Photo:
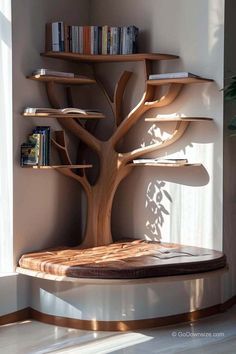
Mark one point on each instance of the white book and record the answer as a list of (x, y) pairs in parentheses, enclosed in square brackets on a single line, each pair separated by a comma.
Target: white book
[(161, 161), (48, 72), (55, 37), (92, 40), (178, 75)]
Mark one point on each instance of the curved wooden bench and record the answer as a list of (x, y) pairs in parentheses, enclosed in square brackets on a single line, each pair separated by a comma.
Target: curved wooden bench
[(124, 260)]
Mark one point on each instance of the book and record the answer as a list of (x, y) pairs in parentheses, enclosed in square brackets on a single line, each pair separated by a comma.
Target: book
[(42, 110), (48, 72), (179, 75), (28, 155), (55, 37), (161, 161), (44, 132)]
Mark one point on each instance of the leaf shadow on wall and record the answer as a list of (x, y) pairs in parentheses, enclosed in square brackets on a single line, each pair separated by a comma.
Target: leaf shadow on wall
[(157, 197)]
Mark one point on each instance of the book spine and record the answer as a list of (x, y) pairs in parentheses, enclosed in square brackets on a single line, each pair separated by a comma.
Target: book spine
[(91, 39), (95, 48), (55, 37), (99, 40), (108, 40), (61, 36), (77, 39), (121, 40), (66, 37), (48, 37), (104, 39), (81, 30), (86, 40)]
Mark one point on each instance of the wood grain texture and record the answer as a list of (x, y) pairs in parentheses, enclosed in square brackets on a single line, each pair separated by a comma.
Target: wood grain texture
[(21, 315), (125, 260), (178, 119), (63, 80), (57, 167), (184, 81), (109, 58), (166, 164), (64, 116)]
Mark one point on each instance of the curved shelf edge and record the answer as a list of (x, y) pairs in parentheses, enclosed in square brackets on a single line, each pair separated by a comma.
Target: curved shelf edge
[(63, 80), (57, 167), (182, 81), (179, 119), (109, 57), (166, 164), (64, 116)]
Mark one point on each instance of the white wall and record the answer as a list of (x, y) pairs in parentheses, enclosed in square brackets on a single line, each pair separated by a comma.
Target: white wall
[(46, 204), (194, 30)]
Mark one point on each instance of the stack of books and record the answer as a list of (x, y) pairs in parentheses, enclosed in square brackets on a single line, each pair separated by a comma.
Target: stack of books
[(91, 39), (178, 75), (36, 151)]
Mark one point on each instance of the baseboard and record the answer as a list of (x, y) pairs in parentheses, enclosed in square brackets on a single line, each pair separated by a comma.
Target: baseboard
[(29, 313), (21, 315)]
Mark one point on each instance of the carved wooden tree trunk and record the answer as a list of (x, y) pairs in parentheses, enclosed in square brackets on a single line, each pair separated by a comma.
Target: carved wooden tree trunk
[(114, 166)]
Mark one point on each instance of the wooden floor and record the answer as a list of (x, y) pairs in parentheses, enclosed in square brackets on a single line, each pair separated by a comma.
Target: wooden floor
[(124, 260)]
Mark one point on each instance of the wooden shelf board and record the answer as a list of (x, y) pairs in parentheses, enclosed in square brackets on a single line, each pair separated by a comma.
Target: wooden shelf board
[(63, 80), (183, 81), (186, 119), (64, 116), (109, 58), (57, 166), (166, 165)]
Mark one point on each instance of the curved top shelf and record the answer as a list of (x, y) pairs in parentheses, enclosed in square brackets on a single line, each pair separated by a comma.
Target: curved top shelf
[(101, 58), (182, 81), (80, 80)]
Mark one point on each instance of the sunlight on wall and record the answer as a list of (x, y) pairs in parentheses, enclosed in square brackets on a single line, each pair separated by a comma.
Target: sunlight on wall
[(6, 228)]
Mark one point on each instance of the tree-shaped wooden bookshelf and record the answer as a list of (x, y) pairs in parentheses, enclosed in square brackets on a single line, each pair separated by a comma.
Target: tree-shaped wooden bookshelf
[(115, 165)]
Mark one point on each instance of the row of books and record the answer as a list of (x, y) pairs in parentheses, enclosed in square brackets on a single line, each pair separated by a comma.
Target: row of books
[(91, 39), (36, 151)]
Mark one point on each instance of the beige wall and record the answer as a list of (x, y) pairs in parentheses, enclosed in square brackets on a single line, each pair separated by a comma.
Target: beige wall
[(46, 204), (194, 30)]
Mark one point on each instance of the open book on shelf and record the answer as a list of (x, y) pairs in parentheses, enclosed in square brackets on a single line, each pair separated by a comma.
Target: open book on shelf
[(34, 111), (161, 161)]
